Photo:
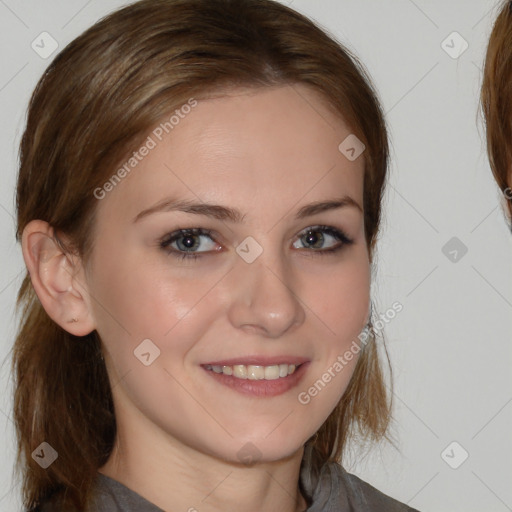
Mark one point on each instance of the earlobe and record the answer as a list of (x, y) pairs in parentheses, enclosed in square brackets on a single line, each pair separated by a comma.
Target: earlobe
[(58, 279)]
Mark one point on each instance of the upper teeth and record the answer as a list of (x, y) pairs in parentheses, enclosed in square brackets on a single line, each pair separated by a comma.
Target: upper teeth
[(253, 372)]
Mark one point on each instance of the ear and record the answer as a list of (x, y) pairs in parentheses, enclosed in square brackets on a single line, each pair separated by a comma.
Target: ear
[(58, 279), (507, 202)]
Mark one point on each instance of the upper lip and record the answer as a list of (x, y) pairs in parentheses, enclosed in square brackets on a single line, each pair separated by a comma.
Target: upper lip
[(259, 361)]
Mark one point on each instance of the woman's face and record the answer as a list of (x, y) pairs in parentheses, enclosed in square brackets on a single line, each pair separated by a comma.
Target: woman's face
[(262, 290)]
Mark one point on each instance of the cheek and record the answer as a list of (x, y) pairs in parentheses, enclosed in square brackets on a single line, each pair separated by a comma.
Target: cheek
[(343, 300), (148, 323), (343, 305), (138, 298)]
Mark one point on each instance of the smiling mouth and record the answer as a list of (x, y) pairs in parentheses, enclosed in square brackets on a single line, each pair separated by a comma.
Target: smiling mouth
[(255, 372)]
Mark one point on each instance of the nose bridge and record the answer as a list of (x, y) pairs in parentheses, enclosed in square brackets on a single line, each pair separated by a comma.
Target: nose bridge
[(263, 292)]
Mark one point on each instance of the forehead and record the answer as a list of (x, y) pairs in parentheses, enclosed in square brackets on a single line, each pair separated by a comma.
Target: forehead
[(268, 147)]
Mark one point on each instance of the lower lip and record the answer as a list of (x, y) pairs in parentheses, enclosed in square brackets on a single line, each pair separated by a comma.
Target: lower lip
[(261, 388)]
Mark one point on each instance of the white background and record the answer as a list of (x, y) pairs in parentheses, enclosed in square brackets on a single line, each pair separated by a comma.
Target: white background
[(451, 345)]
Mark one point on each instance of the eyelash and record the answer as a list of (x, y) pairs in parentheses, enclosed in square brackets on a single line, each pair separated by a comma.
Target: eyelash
[(182, 233)]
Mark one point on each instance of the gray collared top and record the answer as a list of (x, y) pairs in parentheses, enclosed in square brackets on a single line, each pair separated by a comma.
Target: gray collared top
[(330, 490)]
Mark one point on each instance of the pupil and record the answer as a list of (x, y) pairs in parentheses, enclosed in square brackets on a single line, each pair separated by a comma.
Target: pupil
[(188, 242), (312, 238)]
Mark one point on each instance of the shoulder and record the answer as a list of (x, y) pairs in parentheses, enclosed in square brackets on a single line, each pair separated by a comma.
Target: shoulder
[(349, 491), (107, 495), (367, 497)]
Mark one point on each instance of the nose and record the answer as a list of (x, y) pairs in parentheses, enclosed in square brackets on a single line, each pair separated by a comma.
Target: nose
[(263, 298)]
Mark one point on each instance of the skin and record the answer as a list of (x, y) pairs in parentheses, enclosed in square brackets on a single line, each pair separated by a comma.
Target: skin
[(266, 152)]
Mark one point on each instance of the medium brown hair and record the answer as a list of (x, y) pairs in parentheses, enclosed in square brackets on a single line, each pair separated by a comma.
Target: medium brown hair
[(94, 104), (496, 100)]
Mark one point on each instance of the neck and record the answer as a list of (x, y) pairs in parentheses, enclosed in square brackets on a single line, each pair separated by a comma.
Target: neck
[(174, 476)]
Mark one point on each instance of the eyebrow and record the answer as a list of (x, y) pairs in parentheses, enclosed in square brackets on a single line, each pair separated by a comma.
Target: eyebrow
[(220, 212)]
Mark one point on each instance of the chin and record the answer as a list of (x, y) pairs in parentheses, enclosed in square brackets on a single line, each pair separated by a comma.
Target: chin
[(249, 452)]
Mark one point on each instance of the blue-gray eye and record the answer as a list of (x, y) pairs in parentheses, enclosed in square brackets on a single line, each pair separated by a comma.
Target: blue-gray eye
[(188, 240)]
